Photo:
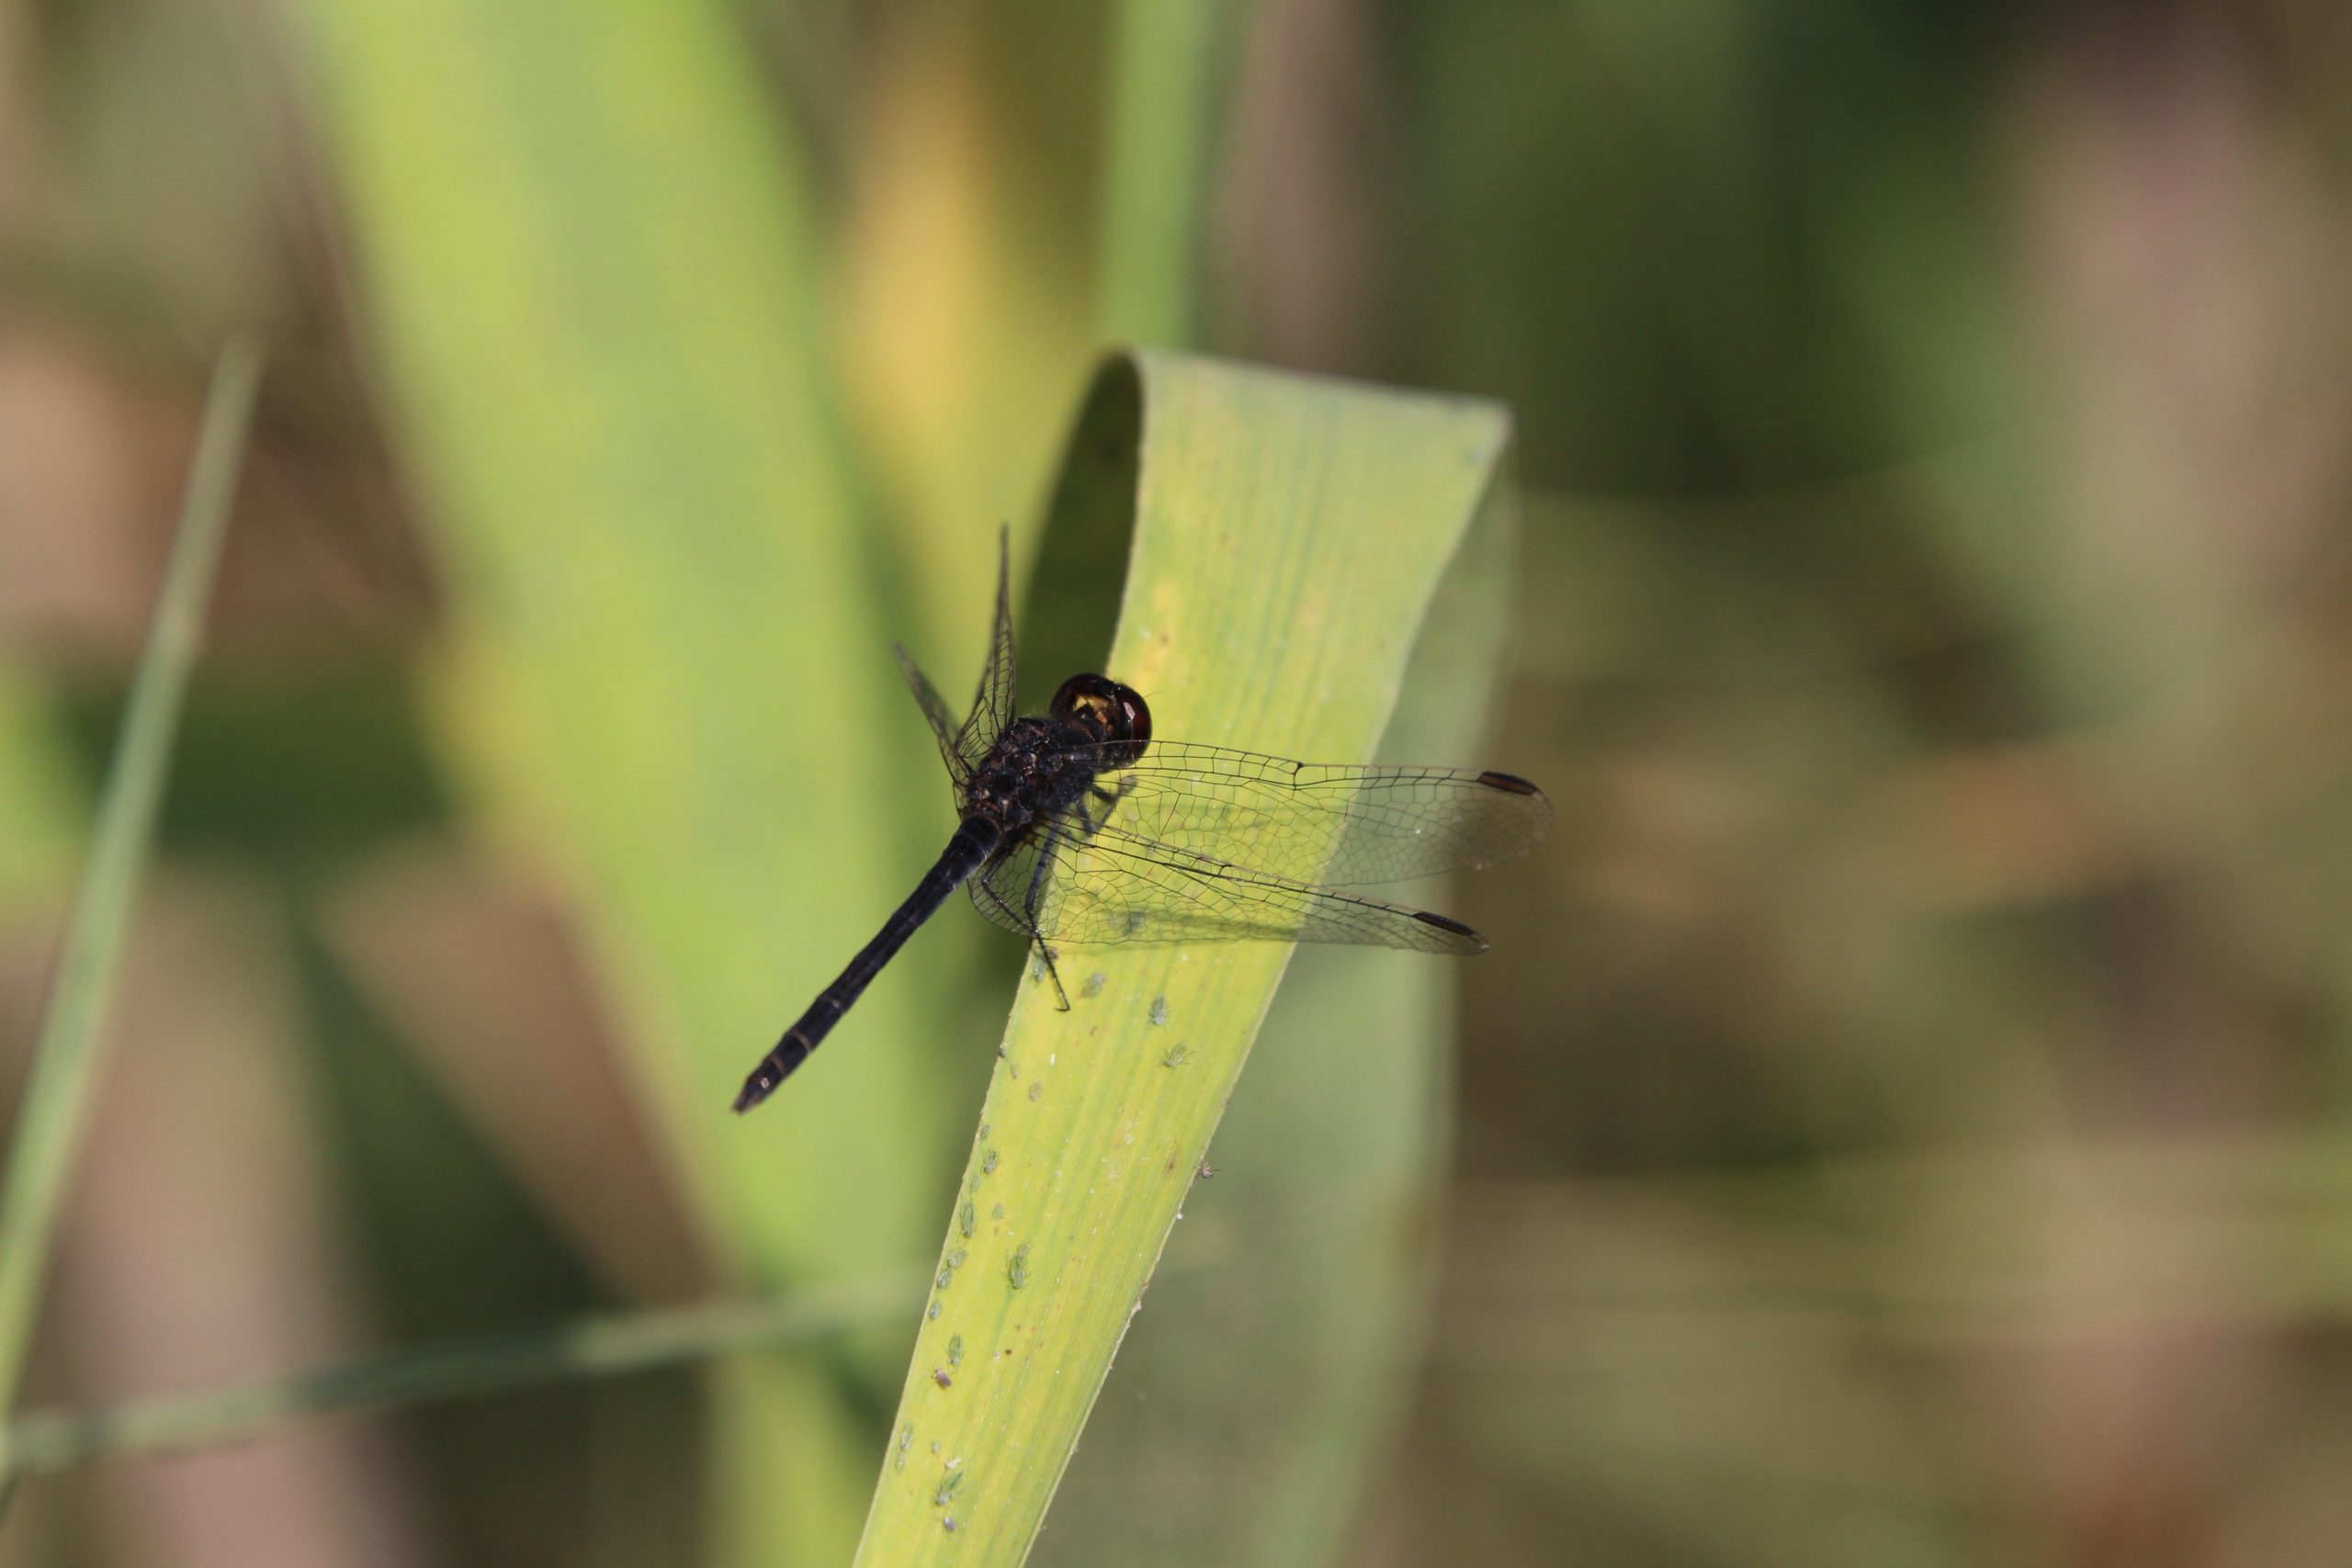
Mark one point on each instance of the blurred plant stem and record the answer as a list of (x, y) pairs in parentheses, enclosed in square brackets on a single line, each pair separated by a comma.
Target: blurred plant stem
[(599, 1347), (597, 296), (1168, 99), (57, 1089)]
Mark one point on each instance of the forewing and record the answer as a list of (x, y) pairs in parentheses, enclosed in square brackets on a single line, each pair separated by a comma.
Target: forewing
[(992, 706), (1325, 824), (935, 709), (1117, 888)]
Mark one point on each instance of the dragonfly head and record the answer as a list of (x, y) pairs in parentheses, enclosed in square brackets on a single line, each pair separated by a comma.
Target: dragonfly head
[(1114, 716)]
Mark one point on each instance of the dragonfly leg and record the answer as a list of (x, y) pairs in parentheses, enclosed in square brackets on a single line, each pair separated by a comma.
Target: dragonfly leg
[(981, 890), (1110, 799), (1029, 918), (1045, 957), (1036, 938)]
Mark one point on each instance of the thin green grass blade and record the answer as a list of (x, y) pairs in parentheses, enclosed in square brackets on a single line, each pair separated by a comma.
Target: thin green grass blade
[(1288, 538), (49, 1124), (38, 820), (608, 1346)]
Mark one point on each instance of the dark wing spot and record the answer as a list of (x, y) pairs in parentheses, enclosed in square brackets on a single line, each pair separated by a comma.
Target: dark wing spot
[(1455, 927), (1510, 783)]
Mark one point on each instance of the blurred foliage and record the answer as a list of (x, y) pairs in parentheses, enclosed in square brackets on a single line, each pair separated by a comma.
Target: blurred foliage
[(34, 801), (1902, 1118)]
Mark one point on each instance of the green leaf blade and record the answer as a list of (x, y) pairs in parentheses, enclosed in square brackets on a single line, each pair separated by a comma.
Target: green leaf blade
[(1289, 536)]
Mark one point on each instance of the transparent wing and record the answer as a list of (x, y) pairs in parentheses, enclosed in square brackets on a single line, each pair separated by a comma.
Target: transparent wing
[(1112, 888), (1002, 890), (1322, 823), (992, 706), (934, 708)]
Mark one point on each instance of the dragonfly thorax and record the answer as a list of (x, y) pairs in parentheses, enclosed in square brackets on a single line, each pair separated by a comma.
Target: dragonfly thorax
[(1041, 765), (1037, 767)]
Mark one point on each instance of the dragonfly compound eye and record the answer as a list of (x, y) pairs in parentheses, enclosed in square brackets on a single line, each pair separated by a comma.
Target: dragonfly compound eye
[(1116, 715)]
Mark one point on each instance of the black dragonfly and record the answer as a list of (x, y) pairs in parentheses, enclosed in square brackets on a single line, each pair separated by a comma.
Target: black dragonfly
[(1078, 830)]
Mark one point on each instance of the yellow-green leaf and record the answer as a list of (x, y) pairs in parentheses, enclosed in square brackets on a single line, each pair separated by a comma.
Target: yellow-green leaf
[(1263, 1390), (1288, 538)]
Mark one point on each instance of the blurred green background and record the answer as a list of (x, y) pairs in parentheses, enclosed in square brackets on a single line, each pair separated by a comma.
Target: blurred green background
[(1902, 1119)]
